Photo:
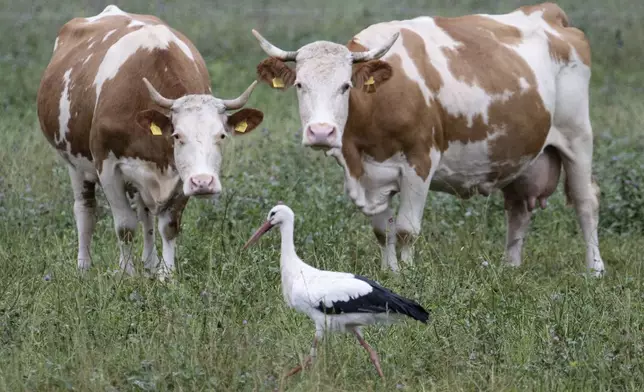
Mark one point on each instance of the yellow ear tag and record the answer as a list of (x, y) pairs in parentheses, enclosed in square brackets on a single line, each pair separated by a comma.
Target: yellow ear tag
[(156, 131), (278, 83), (241, 127), (370, 81)]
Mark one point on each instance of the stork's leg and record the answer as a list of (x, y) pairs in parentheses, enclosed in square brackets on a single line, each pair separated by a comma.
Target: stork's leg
[(372, 353), (309, 358)]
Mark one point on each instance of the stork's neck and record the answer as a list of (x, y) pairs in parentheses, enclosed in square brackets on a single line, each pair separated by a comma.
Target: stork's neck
[(288, 259)]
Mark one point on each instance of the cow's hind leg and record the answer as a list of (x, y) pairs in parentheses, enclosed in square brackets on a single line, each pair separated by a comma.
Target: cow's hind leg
[(84, 214), (384, 229), (518, 220), (583, 193), (573, 134)]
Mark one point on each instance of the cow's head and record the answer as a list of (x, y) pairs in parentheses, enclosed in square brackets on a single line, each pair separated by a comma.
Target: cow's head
[(199, 125), (323, 75)]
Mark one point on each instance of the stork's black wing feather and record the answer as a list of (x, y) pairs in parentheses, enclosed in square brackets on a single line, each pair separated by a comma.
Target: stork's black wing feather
[(379, 300)]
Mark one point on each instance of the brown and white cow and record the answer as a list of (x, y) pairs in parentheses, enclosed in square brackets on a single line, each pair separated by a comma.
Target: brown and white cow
[(126, 101), (464, 105)]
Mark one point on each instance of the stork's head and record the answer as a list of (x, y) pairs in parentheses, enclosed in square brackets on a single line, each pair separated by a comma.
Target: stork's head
[(277, 216)]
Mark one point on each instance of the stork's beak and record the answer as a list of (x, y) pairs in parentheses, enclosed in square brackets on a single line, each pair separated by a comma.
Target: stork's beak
[(263, 229)]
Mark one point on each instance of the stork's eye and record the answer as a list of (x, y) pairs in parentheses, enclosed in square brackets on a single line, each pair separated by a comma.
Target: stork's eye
[(272, 214), (223, 136), (298, 85)]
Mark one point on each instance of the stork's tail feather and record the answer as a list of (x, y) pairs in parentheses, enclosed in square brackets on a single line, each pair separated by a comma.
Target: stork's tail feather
[(409, 308), (396, 303)]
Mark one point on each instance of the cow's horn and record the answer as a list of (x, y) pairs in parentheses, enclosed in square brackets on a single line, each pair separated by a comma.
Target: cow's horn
[(273, 50), (375, 53), (239, 102), (156, 97)]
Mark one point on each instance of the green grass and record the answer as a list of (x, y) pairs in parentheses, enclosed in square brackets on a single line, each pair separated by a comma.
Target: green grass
[(223, 326)]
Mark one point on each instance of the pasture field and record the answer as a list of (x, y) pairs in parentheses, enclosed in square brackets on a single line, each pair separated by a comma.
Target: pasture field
[(223, 326)]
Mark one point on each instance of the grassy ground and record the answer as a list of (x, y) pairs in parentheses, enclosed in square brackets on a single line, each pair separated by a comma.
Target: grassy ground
[(222, 326)]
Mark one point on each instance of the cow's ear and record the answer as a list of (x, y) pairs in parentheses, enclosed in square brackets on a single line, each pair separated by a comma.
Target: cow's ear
[(370, 75), (244, 121), (154, 122), (276, 73)]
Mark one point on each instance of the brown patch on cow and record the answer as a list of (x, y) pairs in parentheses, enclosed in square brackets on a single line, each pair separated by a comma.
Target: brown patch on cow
[(379, 70), (89, 194), (271, 68), (559, 50), (570, 36), (175, 209), (483, 60), (393, 119), (253, 118), (404, 237), (520, 113), (415, 47), (125, 234), (380, 236)]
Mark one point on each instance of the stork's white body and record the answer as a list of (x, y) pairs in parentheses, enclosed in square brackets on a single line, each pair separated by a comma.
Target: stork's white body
[(335, 301)]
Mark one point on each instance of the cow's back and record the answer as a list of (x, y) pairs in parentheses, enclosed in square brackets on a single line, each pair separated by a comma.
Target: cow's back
[(96, 70)]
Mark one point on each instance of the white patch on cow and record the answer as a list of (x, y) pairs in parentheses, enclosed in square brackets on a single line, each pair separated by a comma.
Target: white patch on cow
[(155, 185), (135, 23), (534, 50), (460, 174), (81, 164), (148, 37), (108, 35), (165, 69), (169, 249), (380, 179), (524, 84), (64, 106), (87, 59), (458, 98), (56, 42), (110, 10)]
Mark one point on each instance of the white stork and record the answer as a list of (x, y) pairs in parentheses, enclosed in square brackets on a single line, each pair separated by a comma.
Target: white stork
[(335, 301)]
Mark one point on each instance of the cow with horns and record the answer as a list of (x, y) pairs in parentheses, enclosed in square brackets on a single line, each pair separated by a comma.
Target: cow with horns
[(464, 105), (126, 101)]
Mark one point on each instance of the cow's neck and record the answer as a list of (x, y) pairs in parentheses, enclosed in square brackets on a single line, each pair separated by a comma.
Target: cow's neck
[(359, 123)]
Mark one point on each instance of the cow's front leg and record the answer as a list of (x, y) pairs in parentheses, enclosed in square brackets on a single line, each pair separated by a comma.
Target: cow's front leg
[(125, 219), (413, 196), (149, 256), (384, 229), (169, 227)]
